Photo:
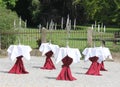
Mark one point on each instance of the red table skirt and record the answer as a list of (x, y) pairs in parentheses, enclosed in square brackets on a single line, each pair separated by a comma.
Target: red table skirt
[(48, 63), (65, 73), (94, 68), (102, 68), (18, 67)]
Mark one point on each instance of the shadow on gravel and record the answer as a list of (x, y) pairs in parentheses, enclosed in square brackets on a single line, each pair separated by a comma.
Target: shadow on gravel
[(36, 66), (4, 71), (50, 77)]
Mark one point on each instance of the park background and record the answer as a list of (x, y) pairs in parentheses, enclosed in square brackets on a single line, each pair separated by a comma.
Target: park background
[(21, 21)]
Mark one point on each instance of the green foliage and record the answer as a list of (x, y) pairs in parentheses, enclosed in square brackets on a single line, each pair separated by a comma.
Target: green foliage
[(85, 11), (105, 11), (35, 10), (7, 18), (8, 3)]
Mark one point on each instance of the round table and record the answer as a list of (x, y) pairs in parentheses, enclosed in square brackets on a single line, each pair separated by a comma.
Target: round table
[(19, 52), (67, 56), (96, 55), (48, 50)]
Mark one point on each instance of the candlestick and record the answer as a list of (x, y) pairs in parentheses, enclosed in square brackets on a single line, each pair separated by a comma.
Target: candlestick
[(95, 34), (68, 27)]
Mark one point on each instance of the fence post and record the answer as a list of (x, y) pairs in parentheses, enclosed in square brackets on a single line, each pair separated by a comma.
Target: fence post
[(89, 37), (43, 35)]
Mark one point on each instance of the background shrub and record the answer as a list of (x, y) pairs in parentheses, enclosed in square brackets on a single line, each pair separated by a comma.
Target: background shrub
[(7, 18)]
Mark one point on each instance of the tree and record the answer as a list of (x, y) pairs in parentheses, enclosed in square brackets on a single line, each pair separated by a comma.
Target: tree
[(85, 11), (35, 9), (102, 10), (56, 9), (23, 11), (116, 13), (10, 4)]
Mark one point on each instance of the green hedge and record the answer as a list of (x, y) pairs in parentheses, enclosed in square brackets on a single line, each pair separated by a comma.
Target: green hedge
[(7, 18)]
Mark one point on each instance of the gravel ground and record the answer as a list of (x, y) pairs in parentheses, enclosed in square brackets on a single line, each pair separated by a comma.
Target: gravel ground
[(47, 78)]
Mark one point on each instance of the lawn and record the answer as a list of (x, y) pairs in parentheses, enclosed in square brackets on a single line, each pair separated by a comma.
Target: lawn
[(76, 38)]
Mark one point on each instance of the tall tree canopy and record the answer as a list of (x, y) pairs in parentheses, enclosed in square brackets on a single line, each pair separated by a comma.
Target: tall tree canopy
[(102, 10), (10, 4), (85, 11)]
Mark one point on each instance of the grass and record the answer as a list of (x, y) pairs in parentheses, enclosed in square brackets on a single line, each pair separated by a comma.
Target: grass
[(76, 38)]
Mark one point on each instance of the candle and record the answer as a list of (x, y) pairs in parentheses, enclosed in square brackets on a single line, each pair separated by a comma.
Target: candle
[(104, 29), (95, 24), (92, 26), (25, 23), (47, 25), (74, 24), (98, 28), (62, 23), (101, 27), (39, 26)]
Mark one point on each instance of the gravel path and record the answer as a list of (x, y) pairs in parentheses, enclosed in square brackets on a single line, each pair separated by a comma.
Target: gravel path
[(47, 78)]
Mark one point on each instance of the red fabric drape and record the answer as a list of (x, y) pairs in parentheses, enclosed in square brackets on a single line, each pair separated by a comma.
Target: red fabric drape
[(18, 67), (94, 68), (48, 63), (65, 73), (102, 68)]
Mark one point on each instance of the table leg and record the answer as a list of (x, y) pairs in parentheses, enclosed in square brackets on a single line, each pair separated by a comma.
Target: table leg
[(18, 67)]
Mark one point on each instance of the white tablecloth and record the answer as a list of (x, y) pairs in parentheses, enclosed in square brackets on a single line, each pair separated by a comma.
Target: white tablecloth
[(101, 52), (73, 53), (46, 47), (18, 50)]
